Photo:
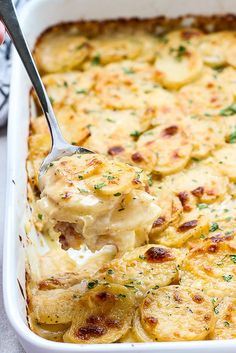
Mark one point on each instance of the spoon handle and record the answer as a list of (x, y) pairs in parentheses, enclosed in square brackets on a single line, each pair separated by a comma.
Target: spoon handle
[(9, 18)]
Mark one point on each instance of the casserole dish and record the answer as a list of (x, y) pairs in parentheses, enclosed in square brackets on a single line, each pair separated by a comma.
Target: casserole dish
[(16, 218)]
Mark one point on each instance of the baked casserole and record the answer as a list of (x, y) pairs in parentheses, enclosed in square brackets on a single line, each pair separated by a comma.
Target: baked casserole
[(156, 102)]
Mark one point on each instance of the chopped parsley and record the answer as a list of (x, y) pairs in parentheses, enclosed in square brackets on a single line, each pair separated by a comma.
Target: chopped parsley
[(227, 278), (96, 60), (81, 91), (233, 258), (228, 111), (201, 206), (109, 177), (179, 52), (135, 133), (150, 181), (214, 227), (80, 177), (128, 286), (99, 186), (120, 295), (142, 257), (232, 137), (92, 284), (226, 324), (40, 216), (117, 194), (216, 309), (110, 271)]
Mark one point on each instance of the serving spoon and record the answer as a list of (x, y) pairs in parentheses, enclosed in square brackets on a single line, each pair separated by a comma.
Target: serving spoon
[(59, 147)]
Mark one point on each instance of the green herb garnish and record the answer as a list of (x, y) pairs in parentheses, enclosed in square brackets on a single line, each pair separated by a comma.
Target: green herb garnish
[(92, 284), (99, 186), (81, 91), (233, 258), (232, 137), (135, 133), (96, 60), (214, 227), (40, 216), (228, 111), (227, 278), (201, 206), (110, 271), (117, 194)]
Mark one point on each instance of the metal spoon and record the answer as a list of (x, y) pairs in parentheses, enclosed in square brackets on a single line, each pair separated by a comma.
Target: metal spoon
[(60, 147)]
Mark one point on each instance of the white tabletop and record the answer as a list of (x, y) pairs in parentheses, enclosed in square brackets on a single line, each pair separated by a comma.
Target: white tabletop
[(8, 340)]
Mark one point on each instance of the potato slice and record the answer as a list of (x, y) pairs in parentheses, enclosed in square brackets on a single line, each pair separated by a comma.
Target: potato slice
[(190, 225), (54, 306), (61, 51), (177, 313), (49, 332), (116, 178), (211, 266), (201, 183), (103, 315), (178, 66), (145, 267), (225, 327), (225, 158), (121, 47), (209, 95), (138, 331), (171, 146), (171, 209), (185, 36), (214, 48), (206, 135), (68, 87)]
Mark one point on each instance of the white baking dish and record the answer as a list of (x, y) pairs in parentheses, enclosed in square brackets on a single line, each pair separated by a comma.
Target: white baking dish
[(36, 17)]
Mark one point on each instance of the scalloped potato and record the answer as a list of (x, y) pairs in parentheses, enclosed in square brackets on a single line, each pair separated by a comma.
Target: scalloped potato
[(138, 239)]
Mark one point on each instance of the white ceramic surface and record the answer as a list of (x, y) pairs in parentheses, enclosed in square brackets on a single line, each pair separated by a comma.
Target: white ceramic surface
[(37, 16)]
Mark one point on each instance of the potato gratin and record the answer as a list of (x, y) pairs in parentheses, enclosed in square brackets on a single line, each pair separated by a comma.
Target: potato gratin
[(138, 238)]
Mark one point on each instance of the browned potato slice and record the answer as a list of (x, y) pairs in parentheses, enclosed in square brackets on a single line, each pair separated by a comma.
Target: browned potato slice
[(171, 209), (138, 331), (177, 313), (206, 134), (54, 306), (214, 48), (190, 225), (211, 266), (225, 327), (145, 267), (209, 95), (225, 158), (103, 315), (178, 66), (170, 145), (60, 51), (121, 47)]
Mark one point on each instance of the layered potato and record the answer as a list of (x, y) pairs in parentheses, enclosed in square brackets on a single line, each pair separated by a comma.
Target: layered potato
[(139, 237)]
